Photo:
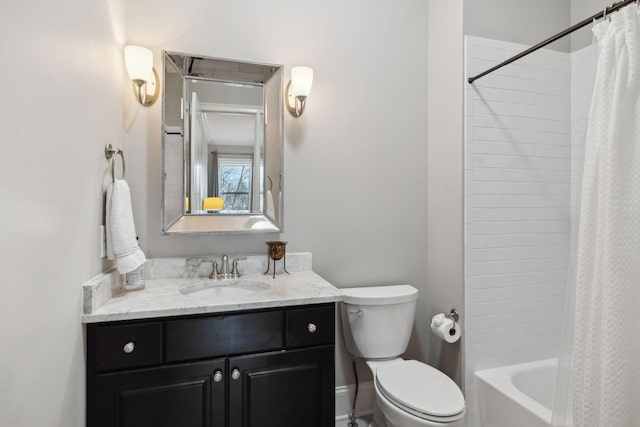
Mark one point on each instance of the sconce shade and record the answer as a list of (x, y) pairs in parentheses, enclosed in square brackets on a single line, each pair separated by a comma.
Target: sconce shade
[(301, 81), (139, 62)]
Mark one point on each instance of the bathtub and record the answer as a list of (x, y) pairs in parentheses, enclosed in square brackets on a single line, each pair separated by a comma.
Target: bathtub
[(518, 395)]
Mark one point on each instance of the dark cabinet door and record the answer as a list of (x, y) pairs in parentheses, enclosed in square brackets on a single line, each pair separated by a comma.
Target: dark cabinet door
[(283, 389), (186, 395)]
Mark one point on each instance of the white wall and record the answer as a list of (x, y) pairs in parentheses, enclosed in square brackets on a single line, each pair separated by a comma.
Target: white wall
[(583, 64), (61, 102), (355, 162), (514, 293), (530, 22), (518, 200), (518, 21), (445, 281), (580, 10)]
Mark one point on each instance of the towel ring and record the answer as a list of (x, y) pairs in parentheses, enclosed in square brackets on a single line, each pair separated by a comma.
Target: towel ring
[(111, 154), (270, 183)]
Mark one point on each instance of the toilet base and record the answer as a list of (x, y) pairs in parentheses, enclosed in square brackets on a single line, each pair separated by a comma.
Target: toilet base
[(386, 414), (396, 417)]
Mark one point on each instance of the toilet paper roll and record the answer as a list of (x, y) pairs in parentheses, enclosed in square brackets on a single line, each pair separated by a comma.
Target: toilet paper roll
[(446, 328)]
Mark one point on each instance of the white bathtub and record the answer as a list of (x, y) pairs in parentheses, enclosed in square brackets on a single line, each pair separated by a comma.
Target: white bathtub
[(517, 395)]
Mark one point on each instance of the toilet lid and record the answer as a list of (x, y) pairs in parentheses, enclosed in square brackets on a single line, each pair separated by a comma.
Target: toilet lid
[(379, 295), (420, 388)]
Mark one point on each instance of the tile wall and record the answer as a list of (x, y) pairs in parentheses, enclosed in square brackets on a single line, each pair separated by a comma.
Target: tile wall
[(582, 73), (517, 205)]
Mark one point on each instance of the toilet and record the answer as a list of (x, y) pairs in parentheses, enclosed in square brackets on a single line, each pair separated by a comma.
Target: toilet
[(377, 323)]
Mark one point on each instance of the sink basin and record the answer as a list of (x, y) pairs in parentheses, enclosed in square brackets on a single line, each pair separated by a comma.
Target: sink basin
[(226, 288)]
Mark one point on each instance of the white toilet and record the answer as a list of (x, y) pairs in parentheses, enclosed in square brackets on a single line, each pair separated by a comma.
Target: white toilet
[(377, 323)]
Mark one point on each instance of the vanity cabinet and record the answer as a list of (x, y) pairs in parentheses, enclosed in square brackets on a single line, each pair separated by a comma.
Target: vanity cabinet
[(261, 368), (282, 389)]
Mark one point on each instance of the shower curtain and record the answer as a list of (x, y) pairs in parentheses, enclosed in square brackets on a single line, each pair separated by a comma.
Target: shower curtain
[(600, 382)]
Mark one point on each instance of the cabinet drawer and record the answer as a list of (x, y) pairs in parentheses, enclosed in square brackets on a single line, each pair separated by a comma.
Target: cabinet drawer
[(217, 336), (126, 346), (310, 326)]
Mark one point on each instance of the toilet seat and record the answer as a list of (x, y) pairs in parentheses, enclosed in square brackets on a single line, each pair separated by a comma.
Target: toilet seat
[(421, 390)]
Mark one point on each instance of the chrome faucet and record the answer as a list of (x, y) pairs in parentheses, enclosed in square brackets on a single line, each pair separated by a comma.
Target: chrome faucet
[(214, 270), (223, 272), (234, 268)]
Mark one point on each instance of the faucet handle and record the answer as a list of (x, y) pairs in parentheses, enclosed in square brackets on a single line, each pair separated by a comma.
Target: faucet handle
[(214, 270), (234, 267)]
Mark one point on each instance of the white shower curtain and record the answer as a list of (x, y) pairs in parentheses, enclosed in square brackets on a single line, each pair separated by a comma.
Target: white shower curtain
[(605, 376)]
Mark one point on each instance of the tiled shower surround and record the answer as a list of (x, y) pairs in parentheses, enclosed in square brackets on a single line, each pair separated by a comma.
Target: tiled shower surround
[(524, 127)]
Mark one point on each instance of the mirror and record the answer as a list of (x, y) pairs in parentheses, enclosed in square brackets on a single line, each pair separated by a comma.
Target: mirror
[(221, 146)]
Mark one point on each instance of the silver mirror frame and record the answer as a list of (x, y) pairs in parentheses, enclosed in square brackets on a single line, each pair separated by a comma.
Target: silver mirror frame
[(252, 223)]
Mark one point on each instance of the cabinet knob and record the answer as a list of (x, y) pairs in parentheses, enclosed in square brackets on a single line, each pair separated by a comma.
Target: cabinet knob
[(311, 327), (129, 347), (217, 376), (235, 374)]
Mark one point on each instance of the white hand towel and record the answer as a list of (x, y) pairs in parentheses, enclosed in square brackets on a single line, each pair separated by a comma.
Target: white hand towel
[(270, 211), (122, 244)]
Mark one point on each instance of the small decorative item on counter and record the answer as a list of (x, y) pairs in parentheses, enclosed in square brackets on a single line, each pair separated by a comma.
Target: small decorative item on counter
[(277, 252), (134, 280)]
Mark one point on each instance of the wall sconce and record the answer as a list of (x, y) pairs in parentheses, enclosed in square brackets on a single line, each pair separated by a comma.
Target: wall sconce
[(298, 89), (139, 63)]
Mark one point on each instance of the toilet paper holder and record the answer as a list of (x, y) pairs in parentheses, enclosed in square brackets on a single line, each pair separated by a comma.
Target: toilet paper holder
[(453, 315), (449, 329)]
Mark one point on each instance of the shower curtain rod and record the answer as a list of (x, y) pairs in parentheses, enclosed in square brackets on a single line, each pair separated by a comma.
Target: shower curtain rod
[(558, 36)]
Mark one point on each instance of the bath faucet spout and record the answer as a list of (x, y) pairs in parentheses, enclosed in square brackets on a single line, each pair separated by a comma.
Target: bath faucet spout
[(224, 269)]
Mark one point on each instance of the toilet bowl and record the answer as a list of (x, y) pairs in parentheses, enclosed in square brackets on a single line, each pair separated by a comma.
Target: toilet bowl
[(413, 394), (377, 323)]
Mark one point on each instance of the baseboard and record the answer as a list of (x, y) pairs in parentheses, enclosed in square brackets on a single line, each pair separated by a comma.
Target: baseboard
[(344, 400)]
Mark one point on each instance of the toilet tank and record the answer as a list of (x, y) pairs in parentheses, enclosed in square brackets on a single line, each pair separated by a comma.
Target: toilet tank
[(377, 320)]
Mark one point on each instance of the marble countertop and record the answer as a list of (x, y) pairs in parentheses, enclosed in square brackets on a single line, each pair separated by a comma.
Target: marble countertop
[(162, 297)]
